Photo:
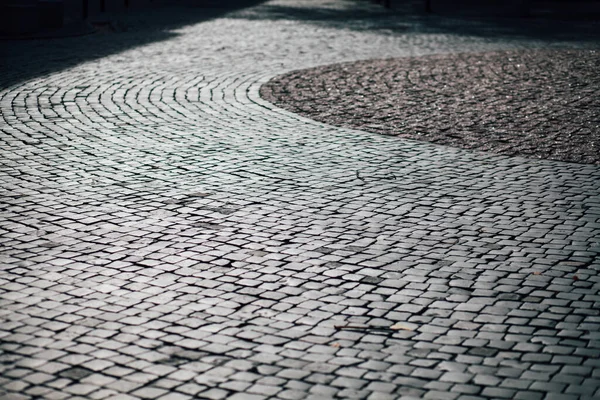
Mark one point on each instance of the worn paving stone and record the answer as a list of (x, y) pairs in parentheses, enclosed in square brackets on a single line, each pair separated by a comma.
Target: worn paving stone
[(167, 233)]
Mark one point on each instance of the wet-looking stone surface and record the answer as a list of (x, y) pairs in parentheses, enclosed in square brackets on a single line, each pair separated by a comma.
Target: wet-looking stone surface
[(539, 104)]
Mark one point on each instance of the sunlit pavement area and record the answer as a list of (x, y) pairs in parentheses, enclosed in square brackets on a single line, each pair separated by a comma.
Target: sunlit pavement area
[(167, 234)]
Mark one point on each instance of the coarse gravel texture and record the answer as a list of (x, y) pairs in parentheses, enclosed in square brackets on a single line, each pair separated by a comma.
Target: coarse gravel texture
[(539, 104)]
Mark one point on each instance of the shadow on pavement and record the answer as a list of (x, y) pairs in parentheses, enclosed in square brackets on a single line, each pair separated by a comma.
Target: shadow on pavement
[(410, 15), (22, 60)]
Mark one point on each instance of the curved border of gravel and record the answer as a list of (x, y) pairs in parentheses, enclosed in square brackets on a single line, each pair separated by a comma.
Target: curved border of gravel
[(534, 103)]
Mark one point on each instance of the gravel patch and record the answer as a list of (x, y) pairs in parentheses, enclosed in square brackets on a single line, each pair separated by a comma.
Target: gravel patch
[(534, 103)]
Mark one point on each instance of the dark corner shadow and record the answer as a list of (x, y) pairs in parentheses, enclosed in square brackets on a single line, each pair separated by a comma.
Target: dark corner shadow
[(534, 27), (25, 59), (409, 16)]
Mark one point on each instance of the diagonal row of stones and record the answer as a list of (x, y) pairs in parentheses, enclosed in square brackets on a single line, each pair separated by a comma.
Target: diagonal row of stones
[(167, 234)]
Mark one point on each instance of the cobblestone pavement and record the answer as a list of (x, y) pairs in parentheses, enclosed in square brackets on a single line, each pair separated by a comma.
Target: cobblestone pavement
[(543, 104), (167, 234)]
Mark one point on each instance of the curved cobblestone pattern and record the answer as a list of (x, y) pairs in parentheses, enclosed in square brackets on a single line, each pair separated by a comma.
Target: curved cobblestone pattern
[(541, 104), (167, 234)]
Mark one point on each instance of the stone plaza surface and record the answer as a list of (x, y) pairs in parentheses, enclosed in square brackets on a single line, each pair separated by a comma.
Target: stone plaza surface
[(167, 234)]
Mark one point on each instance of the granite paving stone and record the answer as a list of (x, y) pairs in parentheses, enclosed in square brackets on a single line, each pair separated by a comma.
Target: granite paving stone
[(171, 229)]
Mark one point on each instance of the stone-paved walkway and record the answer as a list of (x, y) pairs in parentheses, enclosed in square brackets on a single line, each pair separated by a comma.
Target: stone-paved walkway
[(167, 234)]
